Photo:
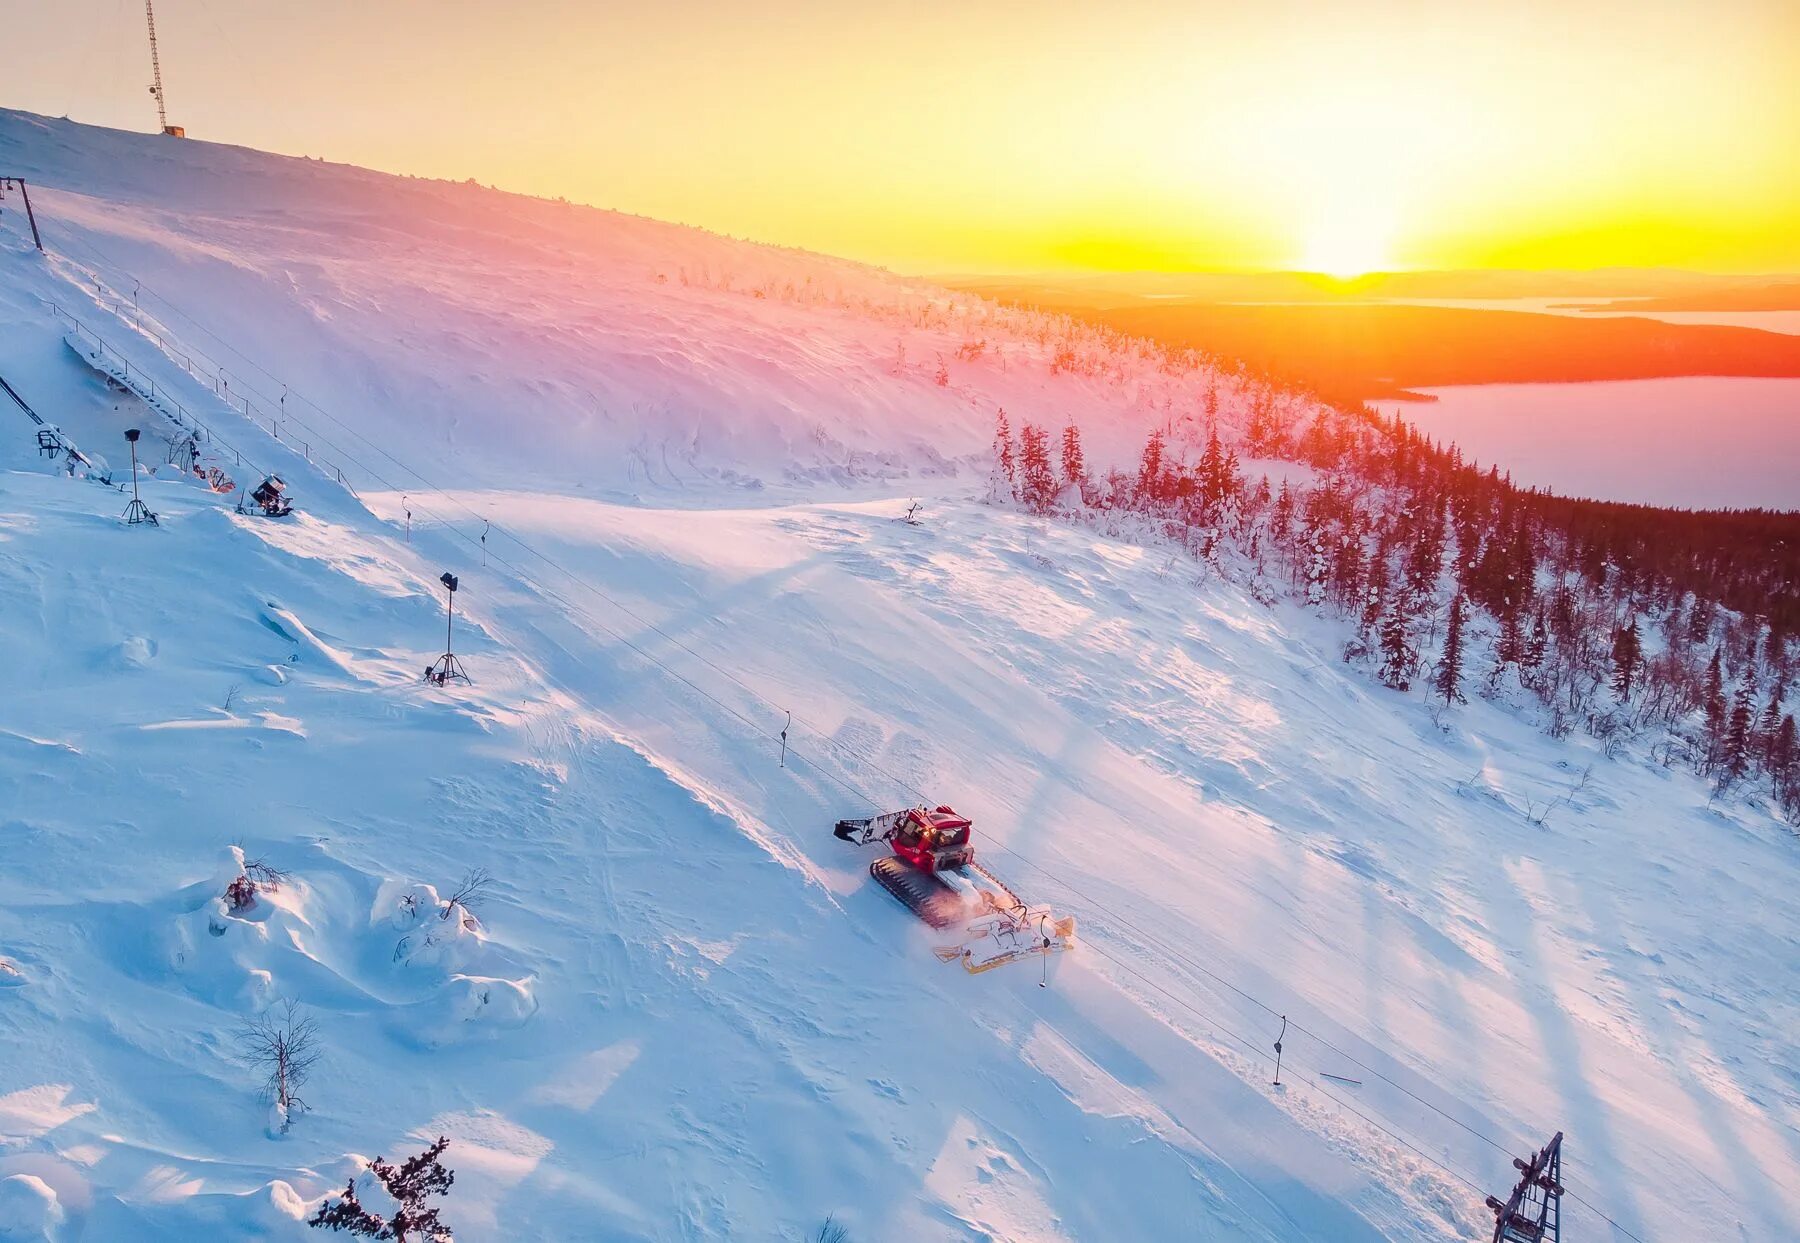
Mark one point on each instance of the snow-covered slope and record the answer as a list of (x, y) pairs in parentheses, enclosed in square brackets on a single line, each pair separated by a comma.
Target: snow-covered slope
[(503, 339), (686, 1012)]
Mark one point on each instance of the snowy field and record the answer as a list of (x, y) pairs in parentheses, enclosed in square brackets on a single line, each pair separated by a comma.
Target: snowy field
[(685, 1012)]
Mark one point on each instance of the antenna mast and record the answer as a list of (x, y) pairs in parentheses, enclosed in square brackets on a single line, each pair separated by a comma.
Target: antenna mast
[(156, 87)]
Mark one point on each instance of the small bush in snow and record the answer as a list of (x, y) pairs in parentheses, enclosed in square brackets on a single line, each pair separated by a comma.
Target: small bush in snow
[(266, 875), (284, 1045), (253, 876), (404, 1189), (831, 1232), (240, 894), (470, 894)]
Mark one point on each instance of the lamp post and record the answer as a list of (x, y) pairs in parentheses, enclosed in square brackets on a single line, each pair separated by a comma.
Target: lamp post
[(137, 511), (447, 668)]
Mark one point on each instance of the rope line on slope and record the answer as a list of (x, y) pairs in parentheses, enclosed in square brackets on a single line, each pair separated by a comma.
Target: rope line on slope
[(846, 752)]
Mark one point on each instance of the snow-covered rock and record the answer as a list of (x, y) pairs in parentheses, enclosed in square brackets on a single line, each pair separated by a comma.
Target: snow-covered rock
[(132, 652)]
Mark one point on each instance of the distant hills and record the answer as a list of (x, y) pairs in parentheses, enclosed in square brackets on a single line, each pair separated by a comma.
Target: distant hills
[(1772, 296), (1121, 288), (1331, 337)]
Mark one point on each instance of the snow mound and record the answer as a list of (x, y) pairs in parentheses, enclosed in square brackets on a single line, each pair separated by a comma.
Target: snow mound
[(133, 652), (29, 1211), (472, 1005), (273, 1212)]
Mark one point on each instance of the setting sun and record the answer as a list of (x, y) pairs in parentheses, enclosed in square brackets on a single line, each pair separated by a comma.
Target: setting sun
[(1348, 240), (1201, 135)]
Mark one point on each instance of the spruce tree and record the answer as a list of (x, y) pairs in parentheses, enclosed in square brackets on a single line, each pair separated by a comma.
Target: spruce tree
[(1768, 727), (1509, 648), (1700, 622), (1005, 461), (1784, 764), (1283, 516), (1074, 461), (1350, 574), (1628, 659), (410, 1184), (1215, 480), (1037, 485), (1374, 593), (1716, 709), (1734, 760), (1538, 645), (1397, 655), (1150, 467), (1424, 559), (1448, 681)]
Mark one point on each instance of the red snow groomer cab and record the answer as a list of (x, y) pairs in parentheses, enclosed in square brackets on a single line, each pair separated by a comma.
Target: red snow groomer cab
[(933, 841), (934, 873)]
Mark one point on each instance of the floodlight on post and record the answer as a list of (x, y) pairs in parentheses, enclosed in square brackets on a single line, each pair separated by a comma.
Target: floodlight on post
[(136, 512), (447, 668)]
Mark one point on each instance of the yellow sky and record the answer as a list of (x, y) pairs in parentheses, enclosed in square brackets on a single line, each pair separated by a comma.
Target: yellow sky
[(940, 136)]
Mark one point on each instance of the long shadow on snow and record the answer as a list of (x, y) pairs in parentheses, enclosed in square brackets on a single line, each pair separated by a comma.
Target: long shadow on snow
[(1754, 1185), (1586, 1117)]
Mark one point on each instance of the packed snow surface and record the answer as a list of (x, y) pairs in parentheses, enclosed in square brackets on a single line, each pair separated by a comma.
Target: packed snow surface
[(684, 1011)]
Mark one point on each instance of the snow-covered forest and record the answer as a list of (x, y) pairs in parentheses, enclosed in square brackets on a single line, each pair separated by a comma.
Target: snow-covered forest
[(1667, 633)]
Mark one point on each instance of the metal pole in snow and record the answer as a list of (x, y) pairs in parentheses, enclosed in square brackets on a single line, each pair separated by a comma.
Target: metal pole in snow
[(784, 733), (30, 215), (1278, 1050)]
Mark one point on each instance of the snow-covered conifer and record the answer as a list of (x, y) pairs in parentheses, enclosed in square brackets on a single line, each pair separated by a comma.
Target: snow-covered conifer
[(1448, 681)]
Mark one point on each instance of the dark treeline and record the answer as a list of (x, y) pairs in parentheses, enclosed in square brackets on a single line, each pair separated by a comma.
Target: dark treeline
[(1672, 628)]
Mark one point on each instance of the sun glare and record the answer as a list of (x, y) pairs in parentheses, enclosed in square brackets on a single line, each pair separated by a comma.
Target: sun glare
[(1349, 240)]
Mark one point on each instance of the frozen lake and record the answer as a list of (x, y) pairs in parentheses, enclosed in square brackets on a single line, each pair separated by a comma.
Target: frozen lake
[(1785, 322), (1697, 441)]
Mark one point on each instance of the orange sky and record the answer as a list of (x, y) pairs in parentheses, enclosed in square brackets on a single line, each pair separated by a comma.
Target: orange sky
[(942, 136)]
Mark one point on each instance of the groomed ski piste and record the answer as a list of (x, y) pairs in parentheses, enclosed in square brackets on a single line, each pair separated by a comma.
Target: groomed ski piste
[(685, 1011)]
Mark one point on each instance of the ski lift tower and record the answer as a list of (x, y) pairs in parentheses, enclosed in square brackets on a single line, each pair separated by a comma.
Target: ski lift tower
[(156, 86), (1533, 1213)]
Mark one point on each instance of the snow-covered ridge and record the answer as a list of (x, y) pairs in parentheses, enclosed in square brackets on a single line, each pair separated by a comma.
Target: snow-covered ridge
[(501, 337)]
